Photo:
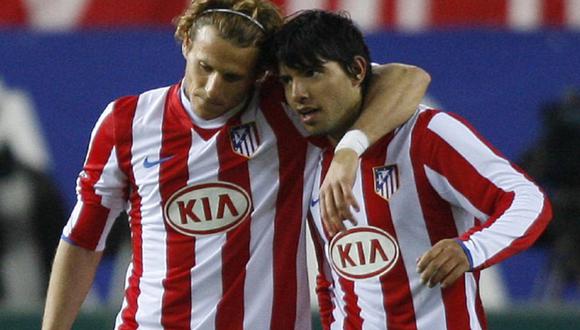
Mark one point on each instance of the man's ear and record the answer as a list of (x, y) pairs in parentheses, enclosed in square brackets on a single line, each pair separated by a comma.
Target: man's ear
[(359, 70)]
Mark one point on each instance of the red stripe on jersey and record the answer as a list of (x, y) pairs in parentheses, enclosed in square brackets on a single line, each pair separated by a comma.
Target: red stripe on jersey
[(395, 284), (554, 11), (86, 232), (468, 13), (124, 113), (173, 175), (236, 250), (323, 280), (436, 211), (83, 233), (353, 319), (292, 150)]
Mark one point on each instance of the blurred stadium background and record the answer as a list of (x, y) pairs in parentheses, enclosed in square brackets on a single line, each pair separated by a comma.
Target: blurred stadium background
[(498, 63)]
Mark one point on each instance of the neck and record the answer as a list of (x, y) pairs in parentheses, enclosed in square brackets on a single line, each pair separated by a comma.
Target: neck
[(335, 135)]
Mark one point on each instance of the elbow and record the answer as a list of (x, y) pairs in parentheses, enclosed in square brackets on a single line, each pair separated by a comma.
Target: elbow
[(421, 78), (412, 74), (424, 76)]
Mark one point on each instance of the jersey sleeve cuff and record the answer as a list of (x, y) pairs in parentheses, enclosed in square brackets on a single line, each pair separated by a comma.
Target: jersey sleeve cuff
[(74, 243), (467, 253)]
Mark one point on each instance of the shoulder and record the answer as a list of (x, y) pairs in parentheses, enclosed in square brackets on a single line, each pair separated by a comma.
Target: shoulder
[(150, 96), (125, 108), (438, 121), (429, 128)]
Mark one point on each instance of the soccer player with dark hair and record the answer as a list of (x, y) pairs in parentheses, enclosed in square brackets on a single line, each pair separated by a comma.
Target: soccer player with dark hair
[(438, 203)]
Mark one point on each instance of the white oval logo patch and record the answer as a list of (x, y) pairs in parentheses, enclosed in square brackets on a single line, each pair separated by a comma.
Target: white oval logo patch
[(363, 252), (207, 208)]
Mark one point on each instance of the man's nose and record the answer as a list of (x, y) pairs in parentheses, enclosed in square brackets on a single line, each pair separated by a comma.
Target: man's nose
[(213, 86), (299, 92)]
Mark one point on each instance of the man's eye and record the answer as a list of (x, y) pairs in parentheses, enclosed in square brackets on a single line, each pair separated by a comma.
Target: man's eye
[(311, 73), (284, 80), (204, 67), (232, 77)]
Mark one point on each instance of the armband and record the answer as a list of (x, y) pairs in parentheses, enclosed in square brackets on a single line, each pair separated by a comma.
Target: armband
[(355, 140)]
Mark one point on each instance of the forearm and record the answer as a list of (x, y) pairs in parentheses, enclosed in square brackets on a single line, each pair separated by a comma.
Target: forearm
[(510, 232), (72, 275), (393, 96)]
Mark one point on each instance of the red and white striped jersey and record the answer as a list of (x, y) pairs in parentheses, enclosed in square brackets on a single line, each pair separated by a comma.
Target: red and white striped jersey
[(433, 178), (217, 211)]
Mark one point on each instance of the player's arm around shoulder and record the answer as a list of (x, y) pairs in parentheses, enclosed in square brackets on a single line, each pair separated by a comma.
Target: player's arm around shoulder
[(71, 278), (394, 93)]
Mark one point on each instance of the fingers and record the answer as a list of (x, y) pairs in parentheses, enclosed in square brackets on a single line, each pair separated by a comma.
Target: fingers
[(443, 264), (343, 201), (349, 201), (336, 203), (452, 276), (435, 273), (428, 265), (329, 213), (336, 197)]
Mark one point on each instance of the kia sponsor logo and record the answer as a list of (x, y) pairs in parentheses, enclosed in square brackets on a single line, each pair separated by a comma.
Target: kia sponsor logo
[(207, 208), (363, 252)]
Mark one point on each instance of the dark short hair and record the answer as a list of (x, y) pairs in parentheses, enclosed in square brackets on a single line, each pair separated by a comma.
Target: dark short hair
[(312, 37)]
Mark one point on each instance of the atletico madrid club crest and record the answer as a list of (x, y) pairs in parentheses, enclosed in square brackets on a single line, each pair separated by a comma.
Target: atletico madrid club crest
[(386, 180), (245, 139)]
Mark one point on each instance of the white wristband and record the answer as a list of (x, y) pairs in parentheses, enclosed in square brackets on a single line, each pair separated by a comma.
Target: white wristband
[(355, 140)]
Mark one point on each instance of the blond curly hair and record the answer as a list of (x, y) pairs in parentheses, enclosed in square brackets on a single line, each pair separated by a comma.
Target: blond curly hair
[(234, 28)]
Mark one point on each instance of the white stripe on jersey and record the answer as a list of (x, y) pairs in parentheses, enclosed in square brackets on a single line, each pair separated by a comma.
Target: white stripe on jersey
[(470, 288), (147, 145), (206, 281), (261, 234), (111, 198)]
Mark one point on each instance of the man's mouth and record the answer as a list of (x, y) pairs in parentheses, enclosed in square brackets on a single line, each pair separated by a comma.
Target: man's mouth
[(210, 102), (308, 114)]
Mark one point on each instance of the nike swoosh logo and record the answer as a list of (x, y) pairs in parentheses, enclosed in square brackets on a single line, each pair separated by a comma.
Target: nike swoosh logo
[(313, 202), (149, 164)]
